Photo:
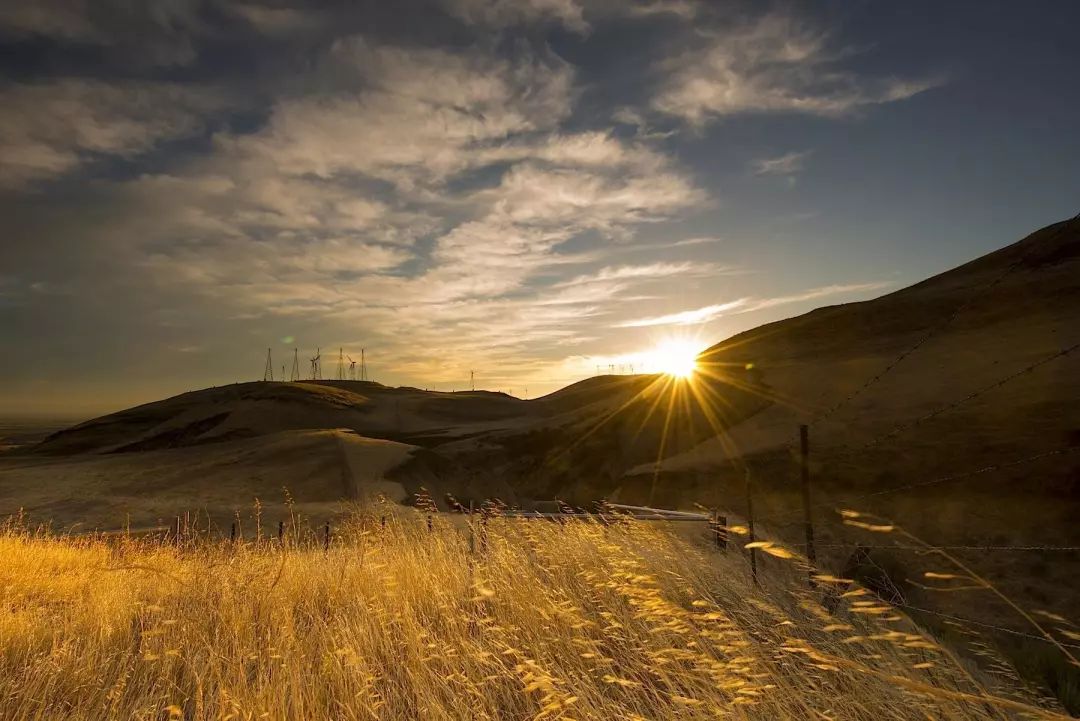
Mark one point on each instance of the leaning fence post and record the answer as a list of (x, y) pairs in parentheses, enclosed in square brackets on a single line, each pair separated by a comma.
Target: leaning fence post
[(750, 525), (811, 554), (326, 536)]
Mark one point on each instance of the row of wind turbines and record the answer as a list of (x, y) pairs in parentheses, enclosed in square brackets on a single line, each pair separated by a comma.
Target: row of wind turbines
[(351, 372)]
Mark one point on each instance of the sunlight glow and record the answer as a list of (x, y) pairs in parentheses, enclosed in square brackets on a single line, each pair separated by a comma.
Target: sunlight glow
[(676, 358)]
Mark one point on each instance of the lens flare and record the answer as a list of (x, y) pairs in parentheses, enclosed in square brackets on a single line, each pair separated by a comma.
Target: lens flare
[(676, 358)]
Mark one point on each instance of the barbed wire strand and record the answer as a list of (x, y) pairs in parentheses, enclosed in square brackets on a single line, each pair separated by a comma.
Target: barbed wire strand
[(852, 500)]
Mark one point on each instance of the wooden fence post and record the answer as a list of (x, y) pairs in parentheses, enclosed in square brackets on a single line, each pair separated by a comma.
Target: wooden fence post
[(326, 536), (720, 535), (280, 530), (232, 532), (429, 526), (178, 539), (811, 554), (750, 525), (472, 532), (382, 522)]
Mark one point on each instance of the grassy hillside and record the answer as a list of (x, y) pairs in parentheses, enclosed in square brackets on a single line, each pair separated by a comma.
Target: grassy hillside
[(542, 621)]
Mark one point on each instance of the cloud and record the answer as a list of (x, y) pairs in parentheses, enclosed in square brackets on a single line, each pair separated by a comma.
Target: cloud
[(508, 13), (409, 116), (652, 270), (50, 129), (748, 305), (775, 63), (814, 294), (685, 9), (355, 204), (156, 33), (787, 164), (696, 316)]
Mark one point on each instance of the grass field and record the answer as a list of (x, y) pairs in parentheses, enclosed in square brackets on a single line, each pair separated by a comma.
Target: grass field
[(534, 620)]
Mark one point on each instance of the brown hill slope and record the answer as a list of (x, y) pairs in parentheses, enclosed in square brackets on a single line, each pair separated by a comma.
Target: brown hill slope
[(950, 408)]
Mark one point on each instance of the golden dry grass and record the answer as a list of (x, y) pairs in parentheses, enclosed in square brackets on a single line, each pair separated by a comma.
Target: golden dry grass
[(572, 621)]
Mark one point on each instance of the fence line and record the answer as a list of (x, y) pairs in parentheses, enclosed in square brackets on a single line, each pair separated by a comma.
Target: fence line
[(931, 549), (972, 621)]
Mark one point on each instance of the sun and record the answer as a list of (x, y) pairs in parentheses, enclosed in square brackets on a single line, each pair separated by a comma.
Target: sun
[(675, 358)]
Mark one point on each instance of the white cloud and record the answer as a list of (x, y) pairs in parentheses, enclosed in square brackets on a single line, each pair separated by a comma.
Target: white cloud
[(696, 316), (814, 294), (318, 215), (748, 305), (775, 63), (652, 270), (786, 164), (420, 115)]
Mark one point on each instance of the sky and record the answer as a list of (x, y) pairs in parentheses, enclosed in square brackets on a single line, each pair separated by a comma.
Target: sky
[(526, 189)]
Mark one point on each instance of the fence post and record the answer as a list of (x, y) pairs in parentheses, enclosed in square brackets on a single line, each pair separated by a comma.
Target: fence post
[(750, 525), (326, 536), (382, 522), (720, 531), (177, 531), (472, 533), (429, 526), (280, 530), (232, 532), (811, 553), (484, 513)]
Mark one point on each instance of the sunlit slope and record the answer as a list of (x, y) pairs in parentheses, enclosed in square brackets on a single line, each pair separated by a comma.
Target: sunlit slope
[(932, 344)]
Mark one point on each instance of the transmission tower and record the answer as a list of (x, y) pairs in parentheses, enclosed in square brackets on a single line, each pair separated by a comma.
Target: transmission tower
[(472, 379), (268, 372), (295, 375), (340, 364), (363, 366)]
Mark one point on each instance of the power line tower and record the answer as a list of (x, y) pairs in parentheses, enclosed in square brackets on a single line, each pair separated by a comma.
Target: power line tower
[(295, 375), (363, 366), (268, 372), (472, 379), (340, 364)]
